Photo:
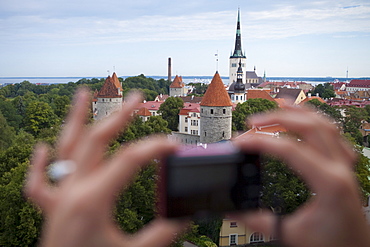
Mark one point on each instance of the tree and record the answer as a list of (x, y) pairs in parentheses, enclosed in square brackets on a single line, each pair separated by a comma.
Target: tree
[(20, 221), (352, 122), (325, 91), (330, 111), (157, 125), (61, 105), (39, 115), (281, 187), (6, 133), (245, 109), (9, 111), (170, 110)]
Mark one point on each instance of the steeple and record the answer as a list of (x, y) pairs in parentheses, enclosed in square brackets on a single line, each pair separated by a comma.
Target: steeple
[(239, 86), (238, 52)]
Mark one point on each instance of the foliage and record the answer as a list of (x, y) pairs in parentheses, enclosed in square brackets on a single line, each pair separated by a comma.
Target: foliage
[(39, 115), (352, 122), (199, 88), (192, 235), (136, 205), (210, 227), (20, 221), (325, 91), (363, 173), (251, 106), (6, 133), (330, 111), (281, 187), (170, 110)]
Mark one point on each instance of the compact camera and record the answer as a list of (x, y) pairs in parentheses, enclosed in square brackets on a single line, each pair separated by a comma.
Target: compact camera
[(209, 180)]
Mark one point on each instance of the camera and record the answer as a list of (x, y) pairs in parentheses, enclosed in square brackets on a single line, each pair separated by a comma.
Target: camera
[(208, 180)]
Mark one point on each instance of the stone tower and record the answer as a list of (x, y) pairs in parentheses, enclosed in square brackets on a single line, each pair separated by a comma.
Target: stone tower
[(237, 56), (108, 99), (177, 87), (215, 113)]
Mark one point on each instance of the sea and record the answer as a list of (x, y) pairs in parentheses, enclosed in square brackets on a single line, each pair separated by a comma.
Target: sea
[(186, 79)]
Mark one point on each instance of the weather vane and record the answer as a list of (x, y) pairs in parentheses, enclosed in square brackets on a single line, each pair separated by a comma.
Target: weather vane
[(216, 55)]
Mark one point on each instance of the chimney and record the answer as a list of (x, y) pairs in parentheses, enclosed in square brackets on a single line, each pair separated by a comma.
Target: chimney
[(169, 70)]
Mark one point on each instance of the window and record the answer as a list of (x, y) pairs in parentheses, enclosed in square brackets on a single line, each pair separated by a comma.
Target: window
[(211, 111), (224, 111), (205, 133), (186, 129), (102, 100), (256, 237), (233, 65), (186, 119), (236, 97), (233, 239), (233, 224), (194, 115)]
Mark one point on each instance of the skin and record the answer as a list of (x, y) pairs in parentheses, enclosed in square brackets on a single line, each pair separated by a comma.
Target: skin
[(334, 216), (78, 211)]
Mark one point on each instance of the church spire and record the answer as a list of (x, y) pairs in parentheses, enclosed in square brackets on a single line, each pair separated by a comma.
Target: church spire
[(238, 52)]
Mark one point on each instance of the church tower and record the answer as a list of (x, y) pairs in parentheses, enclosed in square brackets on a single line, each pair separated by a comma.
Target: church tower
[(239, 87), (215, 113), (237, 56)]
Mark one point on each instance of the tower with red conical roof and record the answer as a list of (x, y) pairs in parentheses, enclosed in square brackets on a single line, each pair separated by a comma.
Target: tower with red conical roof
[(108, 99), (215, 112)]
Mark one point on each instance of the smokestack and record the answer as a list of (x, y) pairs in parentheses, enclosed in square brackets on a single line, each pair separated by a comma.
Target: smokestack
[(169, 70)]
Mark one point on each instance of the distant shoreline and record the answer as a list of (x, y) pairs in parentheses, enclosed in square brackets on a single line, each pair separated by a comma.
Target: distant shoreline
[(187, 79)]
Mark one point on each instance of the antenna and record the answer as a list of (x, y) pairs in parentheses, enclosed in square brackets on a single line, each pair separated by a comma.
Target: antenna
[(108, 72), (216, 60), (347, 72)]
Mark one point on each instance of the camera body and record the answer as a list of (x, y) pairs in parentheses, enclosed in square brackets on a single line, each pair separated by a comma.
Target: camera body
[(201, 181)]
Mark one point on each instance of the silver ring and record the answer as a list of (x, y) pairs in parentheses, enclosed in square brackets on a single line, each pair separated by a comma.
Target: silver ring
[(60, 169)]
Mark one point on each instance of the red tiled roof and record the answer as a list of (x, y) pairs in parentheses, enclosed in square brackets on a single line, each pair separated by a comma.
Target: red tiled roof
[(258, 93), (359, 83), (270, 130), (143, 112), (109, 89), (116, 81), (216, 94), (150, 105), (311, 98), (177, 82)]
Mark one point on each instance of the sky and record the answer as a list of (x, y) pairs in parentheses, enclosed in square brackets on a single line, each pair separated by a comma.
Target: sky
[(88, 38)]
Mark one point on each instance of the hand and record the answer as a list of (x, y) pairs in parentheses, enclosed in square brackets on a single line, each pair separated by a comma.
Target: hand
[(333, 216), (78, 212)]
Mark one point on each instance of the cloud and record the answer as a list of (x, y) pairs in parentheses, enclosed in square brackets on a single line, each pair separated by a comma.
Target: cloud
[(282, 21)]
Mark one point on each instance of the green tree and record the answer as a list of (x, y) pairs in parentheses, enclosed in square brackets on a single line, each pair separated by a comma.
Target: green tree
[(249, 107), (330, 111), (20, 221), (281, 187), (39, 115), (170, 110), (6, 133), (136, 205), (61, 105), (9, 111), (352, 122), (157, 125), (325, 91)]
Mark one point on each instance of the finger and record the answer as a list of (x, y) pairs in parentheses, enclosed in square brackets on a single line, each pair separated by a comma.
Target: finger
[(304, 161), (159, 233), (264, 222), (128, 161), (36, 186), (93, 146), (314, 128), (73, 130)]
